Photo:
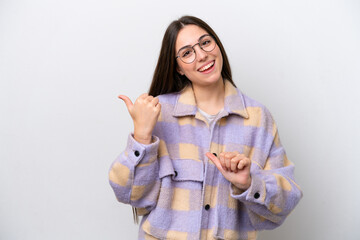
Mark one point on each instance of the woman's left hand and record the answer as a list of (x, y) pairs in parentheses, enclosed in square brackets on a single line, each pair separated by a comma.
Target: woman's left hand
[(235, 167)]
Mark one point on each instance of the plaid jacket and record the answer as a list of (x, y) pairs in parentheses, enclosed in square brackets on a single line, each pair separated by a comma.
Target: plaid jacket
[(180, 192)]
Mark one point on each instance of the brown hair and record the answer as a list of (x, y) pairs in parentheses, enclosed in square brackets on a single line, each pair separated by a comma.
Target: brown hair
[(166, 79)]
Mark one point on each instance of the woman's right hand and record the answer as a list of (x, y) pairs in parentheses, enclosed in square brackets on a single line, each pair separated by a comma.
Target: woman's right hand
[(144, 112)]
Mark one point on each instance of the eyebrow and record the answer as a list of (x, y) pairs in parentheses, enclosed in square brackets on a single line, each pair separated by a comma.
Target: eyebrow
[(195, 43)]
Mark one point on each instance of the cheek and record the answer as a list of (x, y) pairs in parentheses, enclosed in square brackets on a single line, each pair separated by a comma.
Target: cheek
[(219, 54), (187, 68), (181, 68), (220, 59)]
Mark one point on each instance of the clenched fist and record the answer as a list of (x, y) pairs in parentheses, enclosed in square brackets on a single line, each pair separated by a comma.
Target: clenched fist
[(144, 113)]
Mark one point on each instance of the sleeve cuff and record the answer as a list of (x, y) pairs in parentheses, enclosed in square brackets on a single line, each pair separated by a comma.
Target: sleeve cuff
[(256, 193), (138, 152)]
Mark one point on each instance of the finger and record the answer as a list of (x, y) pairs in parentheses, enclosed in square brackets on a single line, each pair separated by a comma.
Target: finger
[(158, 107), (243, 163), (227, 162), (230, 154), (234, 164), (227, 159), (143, 96), (155, 101), (127, 101), (241, 156), (247, 163), (222, 161), (216, 161), (149, 98)]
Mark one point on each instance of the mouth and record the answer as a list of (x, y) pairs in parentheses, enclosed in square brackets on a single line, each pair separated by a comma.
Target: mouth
[(208, 67)]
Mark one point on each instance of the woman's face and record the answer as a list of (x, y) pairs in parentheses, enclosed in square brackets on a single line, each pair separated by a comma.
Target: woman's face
[(206, 68)]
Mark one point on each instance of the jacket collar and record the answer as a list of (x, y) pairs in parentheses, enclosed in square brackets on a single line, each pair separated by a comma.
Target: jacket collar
[(234, 102)]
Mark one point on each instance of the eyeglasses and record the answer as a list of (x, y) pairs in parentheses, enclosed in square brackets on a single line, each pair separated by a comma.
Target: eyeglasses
[(187, 54)]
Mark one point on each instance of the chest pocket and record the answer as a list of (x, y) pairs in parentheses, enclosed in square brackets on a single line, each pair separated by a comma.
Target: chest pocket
[(180, 195)]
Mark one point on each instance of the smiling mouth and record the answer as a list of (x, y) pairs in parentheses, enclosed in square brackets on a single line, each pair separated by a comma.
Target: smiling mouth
[(207, 66)]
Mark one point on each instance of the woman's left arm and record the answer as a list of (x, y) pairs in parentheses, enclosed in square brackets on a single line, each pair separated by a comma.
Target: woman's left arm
[(269, 190)]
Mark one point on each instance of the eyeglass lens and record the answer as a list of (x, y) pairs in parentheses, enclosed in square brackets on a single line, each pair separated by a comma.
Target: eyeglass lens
[(188, 55)]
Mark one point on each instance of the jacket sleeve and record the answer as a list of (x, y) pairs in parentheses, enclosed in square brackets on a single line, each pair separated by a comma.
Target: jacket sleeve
[(273, 193), (134, 175)]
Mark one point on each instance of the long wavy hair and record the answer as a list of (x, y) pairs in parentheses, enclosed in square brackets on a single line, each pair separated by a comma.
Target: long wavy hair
[(166, 79)]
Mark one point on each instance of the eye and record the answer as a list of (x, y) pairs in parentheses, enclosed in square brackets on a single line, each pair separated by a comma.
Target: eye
[(186, 53), (206, 42)]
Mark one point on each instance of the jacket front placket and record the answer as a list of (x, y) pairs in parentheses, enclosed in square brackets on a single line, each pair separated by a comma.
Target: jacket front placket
[(208, 188)]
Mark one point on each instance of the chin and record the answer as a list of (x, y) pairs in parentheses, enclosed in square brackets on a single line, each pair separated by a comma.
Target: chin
[(214, 78)]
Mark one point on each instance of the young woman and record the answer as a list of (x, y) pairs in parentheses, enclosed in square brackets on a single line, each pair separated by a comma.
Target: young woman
[(204, 161)]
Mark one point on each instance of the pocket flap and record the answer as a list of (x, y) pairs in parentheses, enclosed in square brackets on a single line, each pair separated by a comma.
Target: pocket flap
[(188, 170), (182, 169)]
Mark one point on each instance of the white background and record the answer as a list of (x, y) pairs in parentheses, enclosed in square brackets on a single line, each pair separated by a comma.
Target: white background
[(63, 63)]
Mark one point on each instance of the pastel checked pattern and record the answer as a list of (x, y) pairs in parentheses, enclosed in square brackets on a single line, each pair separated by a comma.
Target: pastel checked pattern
[(182, 195)]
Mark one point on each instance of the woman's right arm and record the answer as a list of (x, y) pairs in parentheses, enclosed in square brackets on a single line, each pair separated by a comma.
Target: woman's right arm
[(134, 174)]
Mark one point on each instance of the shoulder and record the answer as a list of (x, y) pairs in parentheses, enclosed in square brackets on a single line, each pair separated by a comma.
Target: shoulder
[(258, 114), (168, 103), (250, 102), (168, 98)]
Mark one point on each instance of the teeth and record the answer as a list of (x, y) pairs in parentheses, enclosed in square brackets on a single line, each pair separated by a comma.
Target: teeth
[(206, 67)]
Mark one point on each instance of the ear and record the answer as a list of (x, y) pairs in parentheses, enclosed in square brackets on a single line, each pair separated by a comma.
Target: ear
[(179, 70)]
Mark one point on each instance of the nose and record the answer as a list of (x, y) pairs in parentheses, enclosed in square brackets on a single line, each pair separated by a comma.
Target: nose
[(200, 54)]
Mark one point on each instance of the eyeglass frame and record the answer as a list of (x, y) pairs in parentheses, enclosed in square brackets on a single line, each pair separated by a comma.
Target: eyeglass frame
[(198, 43)]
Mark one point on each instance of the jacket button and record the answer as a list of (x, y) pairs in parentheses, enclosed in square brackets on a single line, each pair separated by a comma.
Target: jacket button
[(137, 153), (215, 154), (175, 173), (256, 195), (207, 207)]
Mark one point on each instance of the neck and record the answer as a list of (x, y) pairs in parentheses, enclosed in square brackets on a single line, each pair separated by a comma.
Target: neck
[(210, 98)]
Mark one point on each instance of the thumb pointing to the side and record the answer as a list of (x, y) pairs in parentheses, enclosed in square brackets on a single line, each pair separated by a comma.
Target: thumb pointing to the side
[(127, 101)]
